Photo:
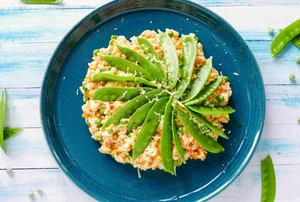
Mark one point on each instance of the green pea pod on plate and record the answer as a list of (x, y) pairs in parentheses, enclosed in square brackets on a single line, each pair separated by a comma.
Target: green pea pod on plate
[(177, 143), (284, 37), (139, 116), (149, 127), (268, 179), (212, 110), (2, 118)]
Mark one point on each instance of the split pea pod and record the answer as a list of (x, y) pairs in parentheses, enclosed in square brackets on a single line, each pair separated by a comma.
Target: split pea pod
[(149, 50), (2, 118), (116, 78), (203, 120), (126, 66), (268, 179), (149, 127), (118, 93), (207, 142), (10, 132), (198, 84), (131, 106), (284, 37), (133, 56), (206, 92), (212, 110), (170, 58), (139, 116), (176, 139), (166, 139), (189, 49)]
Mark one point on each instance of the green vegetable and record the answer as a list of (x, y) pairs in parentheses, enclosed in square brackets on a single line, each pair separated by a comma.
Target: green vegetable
[(102, 111), (149, 50), (298, 59), (268, 179), (112, 77), (199, 82), (215, 101), (212, 111), (206, 92), (9, 171), (206, 103), (171, 34), (10, 132), (118, 93), (40, 192), (131, 106), (41, 1), (126, 66), (166, 139), (221, 98), (271, 31), (144, 63), (110, 130), (139, 116), (88, 123), (96, 51), (181, 129), (149, 127), (177, 143), (203, 120), (292, 77), (31, 195), (170, 58), (189, 49), (2, 118), (98, 123), (112, 40), (204, 140), (298, 120), (284, 37)]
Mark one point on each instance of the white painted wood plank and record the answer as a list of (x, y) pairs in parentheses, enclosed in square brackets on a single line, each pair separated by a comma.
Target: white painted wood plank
[(57, 187), (283, 106), (17, 4), (30, 150), (52, 25)]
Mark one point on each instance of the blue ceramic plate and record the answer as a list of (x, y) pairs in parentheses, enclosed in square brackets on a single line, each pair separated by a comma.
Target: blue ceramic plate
[(101, 176)]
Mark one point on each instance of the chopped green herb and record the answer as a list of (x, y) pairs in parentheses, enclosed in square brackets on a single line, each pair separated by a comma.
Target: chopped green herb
[(271, 31), (9, 171), (298, 59), (112, 40), (102, 111), (221, 98), (88, 123), (98, 123), (292, 77), (180, 129), (31, 195), (109, 68), (215, 101), (102, 69), (110, 130)]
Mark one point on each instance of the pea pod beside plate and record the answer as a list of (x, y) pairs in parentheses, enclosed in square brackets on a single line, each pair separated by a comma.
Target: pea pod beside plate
[(2, 118)]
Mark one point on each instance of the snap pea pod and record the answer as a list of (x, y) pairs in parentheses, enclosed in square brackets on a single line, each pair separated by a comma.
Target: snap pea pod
[(296, 41), (170, 58), (206, 92), (2, 118), (112, 77), (212, 110), (200, 81), (126, 66), (131, 106), (207, 142), (139, 116), (166, 139), (149, 127), (176, 139), (149, 50), (10, 132), (145, 64), (189, 48), (118, 93), (268, 180), (284, 37), (203, 120)]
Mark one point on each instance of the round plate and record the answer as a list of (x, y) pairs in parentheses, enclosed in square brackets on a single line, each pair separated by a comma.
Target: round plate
[(100, 175)]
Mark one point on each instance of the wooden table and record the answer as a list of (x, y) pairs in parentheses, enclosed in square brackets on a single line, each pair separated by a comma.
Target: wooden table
[(30, 33)]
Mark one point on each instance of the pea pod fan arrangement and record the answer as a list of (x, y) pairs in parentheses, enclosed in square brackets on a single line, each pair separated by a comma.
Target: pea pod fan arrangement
[(169, 90)]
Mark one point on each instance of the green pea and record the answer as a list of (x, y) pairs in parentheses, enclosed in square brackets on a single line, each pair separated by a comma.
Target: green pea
[(123, 121), (102, 69), (292, 77), (180, 129), (206, 103), (176, 163), (98, 123), (84, 87), (215, 101), (88, 123), (298, 59), (101, 141), (96, 51), (196, 38), (271, 31), (112, 40), (110, 130), (86, 99), (171, 34), (298, 120), (226, 78), (9, 171), (40, 192), (221, 98), (102, 111), (31, 195)]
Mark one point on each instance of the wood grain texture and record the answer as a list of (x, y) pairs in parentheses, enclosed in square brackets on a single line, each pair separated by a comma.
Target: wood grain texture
[(89, 4)]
